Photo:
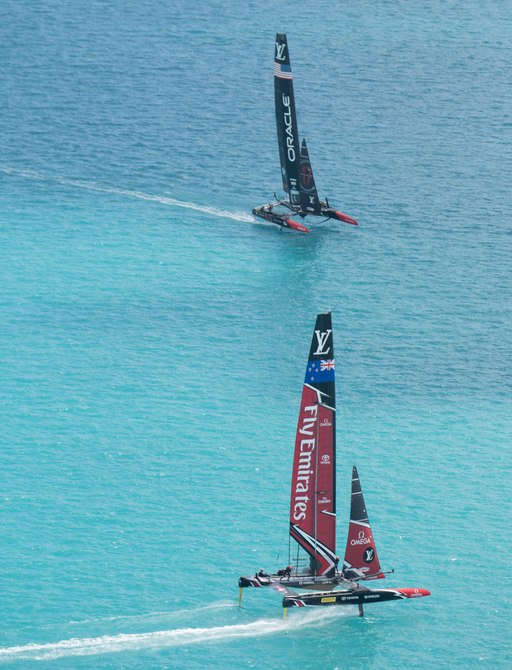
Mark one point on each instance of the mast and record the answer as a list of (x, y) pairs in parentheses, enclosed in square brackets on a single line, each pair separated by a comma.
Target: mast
[(309, 200), (313, 491), (286, 120), (361, 560)]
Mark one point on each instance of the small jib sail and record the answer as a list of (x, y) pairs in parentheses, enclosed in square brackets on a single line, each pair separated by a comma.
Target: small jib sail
[(296, 171), (309, 200), (361, 560), (313, 490)]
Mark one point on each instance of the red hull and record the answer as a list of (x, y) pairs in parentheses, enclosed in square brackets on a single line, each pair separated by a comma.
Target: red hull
[(346, 218), (294, 225), (265, 212)]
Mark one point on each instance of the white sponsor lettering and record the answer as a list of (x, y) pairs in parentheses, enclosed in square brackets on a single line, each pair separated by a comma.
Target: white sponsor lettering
[(306, 450), (321, 338), (308, 422), (287, 116), (326, 459)]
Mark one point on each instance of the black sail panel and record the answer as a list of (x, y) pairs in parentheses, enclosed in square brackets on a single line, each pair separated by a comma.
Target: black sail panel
[(286, 119), (309, 200), (361, 560), (358, 512)]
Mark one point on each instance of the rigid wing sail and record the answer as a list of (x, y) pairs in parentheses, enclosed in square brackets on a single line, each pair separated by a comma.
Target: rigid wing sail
[(312, 560), (297, 174)]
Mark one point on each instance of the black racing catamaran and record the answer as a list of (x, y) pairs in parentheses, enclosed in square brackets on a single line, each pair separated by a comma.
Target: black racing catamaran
[(298, 180), (313, 563)]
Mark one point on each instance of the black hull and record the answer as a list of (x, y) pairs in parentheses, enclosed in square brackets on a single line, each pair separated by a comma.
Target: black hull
[(266, 213), (356, 596), (283, 220)]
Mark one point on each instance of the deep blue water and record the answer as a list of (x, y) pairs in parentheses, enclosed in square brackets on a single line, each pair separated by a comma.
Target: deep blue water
[(153, 337)]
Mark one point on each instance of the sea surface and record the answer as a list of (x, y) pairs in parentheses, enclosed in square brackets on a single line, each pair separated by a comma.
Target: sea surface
[(153, 336)]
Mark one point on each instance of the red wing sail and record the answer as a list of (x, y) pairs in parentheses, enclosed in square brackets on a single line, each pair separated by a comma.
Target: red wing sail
[(313, 494), (361, 560)]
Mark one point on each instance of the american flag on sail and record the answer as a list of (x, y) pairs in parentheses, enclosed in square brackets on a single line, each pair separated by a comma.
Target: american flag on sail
[(320, 371), (283, 71)]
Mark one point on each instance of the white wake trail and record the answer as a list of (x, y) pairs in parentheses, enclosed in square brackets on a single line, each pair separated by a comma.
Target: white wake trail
[(107, 644), (93, 186), (155, 617)]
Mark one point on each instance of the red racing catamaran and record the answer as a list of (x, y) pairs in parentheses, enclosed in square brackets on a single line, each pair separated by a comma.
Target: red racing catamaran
[(314, 566)]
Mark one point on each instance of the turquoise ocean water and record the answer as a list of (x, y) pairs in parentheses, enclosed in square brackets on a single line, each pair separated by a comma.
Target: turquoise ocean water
[(153, 337)]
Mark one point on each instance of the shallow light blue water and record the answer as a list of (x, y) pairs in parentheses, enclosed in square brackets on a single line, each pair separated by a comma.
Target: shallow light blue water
[(153, 337)]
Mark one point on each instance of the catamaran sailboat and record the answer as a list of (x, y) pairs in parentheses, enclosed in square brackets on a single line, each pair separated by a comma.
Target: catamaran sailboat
[(314, 567), (298, 180)]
